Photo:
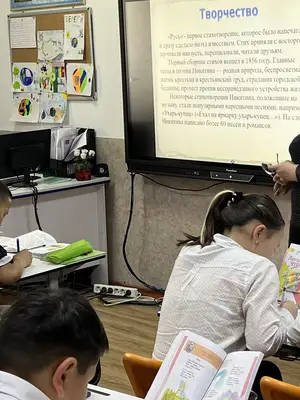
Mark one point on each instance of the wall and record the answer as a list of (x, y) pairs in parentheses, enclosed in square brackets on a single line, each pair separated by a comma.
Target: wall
[(160, 215)]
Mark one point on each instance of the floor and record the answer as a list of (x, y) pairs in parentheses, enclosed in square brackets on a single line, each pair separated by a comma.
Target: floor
[(132, 329), (129, 329)]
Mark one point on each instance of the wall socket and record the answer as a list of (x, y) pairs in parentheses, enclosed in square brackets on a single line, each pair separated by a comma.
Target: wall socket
[(119, 291)]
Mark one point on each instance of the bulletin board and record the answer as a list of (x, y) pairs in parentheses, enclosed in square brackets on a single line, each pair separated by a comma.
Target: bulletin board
[(54, 20)]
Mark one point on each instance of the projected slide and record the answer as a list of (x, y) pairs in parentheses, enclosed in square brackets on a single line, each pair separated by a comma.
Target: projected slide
[(226, 79)]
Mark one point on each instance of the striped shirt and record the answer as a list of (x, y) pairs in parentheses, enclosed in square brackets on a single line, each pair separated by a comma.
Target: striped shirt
[(228, 295)]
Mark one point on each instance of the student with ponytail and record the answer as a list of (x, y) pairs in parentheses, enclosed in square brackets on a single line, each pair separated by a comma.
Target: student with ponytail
[(224, 286)]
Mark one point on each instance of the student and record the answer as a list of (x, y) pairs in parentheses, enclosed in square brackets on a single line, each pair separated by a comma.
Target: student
[(224, 286), (11, 268), (51, 344)]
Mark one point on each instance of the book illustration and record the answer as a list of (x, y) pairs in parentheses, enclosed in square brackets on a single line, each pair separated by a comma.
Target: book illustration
[(169, 394), (289, 274), (50, 45), (204, 354), (220, 378), (79, 79), (53, 108), (24, 77), (26, 107), (229, 395), (74, 37)]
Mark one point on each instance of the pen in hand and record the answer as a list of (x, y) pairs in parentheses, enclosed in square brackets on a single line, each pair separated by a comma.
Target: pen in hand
[(283, 291), (31, 248), (18, 245)]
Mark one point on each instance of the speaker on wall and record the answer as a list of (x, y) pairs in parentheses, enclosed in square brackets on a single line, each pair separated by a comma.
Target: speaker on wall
[(101, 170)]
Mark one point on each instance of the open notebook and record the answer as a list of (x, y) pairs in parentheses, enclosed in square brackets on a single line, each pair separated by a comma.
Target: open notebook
[(38, 242), (195, 369)]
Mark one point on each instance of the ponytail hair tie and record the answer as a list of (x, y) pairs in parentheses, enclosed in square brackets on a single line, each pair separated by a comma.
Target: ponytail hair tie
[(236, 197)]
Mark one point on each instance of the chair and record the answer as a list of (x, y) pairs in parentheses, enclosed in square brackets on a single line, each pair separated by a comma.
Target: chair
[(271, 389), (141, 372)]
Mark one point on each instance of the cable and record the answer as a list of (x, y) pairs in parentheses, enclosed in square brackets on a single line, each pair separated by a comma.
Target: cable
[(117, 302), (132, 176), (138, 300), (35, 197), (180, 189)]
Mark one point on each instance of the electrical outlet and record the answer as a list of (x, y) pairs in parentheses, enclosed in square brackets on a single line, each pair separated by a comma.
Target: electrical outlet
[(119, 291)]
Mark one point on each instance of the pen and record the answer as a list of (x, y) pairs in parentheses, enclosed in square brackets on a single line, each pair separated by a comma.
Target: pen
[(283, 291), (37, 247), (31, 248), (277, 158), (18, 245)]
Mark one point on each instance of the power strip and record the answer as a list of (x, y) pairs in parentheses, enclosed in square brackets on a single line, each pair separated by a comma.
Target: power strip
[(119, 291)]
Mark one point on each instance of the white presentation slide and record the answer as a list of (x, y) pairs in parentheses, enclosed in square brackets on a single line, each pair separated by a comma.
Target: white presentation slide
[(226, 79)]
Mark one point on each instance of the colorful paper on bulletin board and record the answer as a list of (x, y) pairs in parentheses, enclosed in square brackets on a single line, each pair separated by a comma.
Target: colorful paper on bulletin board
[(53, 108), (45, 76), (24, 77), (74, 37), (52, 77), (60, 82), (26, 107), (50, 45), (80, 79)]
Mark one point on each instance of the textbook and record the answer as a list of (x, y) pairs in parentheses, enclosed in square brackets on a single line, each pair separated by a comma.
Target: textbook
[(196, 368), (289, 275), (39, 243)]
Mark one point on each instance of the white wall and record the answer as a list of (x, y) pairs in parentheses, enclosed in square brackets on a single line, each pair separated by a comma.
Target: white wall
[(106, 114)]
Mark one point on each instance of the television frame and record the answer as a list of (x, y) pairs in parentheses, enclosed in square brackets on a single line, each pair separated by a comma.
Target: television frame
[(175, 167)]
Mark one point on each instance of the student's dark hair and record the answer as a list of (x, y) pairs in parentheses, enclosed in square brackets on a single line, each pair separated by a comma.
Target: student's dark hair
[(47, 325), (5, 193), (229, 209)]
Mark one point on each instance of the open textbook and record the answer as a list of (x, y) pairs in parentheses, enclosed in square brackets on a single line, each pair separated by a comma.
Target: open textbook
[(195, 369), (289, 275), (38, 242)]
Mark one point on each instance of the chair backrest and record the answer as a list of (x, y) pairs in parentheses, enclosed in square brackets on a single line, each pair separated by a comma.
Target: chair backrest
[(271, 389), (141, 372)]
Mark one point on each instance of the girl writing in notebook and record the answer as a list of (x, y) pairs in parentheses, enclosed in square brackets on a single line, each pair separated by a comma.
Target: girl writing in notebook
[(224, 286)]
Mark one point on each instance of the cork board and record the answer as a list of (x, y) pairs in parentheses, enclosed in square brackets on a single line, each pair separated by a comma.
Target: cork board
[(54, 20)]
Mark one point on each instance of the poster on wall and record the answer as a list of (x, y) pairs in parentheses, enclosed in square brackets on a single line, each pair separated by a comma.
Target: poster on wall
[(53, 108), (50, 45), (25, 107), (52, 77), (24, 77), (16, 5), (74, 37), (80, 79)]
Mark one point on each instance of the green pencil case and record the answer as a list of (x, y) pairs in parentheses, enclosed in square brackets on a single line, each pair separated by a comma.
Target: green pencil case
[(73, 250)]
